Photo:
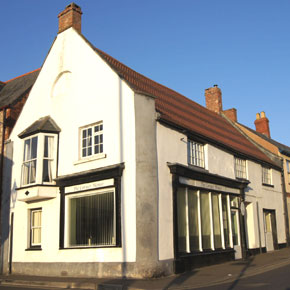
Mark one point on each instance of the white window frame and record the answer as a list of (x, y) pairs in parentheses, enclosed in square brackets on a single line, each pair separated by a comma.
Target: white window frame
[(266, 175), (32, 227), (196, 154), (40, 158), (240, 168), (101, 143), (68, 197)]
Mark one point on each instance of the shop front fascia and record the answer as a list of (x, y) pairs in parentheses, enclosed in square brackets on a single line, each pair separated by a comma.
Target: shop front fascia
[(88, 198), (208, 214)]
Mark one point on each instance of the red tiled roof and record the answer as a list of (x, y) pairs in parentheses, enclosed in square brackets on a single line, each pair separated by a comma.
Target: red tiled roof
[(181, 111)]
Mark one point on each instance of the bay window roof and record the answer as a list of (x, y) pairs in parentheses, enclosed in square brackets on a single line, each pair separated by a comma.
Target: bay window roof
[(43, 125)]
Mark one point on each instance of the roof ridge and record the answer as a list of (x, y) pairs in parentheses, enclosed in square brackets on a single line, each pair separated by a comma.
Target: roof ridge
[(22, 76), (145, 77)]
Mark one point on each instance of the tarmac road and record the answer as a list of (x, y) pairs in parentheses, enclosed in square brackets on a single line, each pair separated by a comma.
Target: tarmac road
[(277, 279)]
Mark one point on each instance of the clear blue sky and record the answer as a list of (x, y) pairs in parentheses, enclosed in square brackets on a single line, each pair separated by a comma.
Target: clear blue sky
[(187, 45)]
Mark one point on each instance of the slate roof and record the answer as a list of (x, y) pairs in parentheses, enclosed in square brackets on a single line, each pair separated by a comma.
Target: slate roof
[(180, 111), (44, 124), (281, 147), (16, 88)]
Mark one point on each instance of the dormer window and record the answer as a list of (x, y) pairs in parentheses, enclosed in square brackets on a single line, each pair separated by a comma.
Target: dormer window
[(39, 154)]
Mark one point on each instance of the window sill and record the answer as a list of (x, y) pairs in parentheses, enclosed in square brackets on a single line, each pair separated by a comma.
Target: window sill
[(34, 249), (92, 158), (198, 168), (268, 185), (90, 247)]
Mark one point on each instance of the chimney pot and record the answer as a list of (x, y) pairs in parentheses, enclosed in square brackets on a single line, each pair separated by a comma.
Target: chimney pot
[(262, 124), (70, 17)]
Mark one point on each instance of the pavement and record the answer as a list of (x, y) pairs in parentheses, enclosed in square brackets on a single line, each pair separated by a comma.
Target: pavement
[(202, 277)]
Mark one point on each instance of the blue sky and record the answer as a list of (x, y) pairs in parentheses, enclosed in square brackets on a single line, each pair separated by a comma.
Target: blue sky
[(187, 45)]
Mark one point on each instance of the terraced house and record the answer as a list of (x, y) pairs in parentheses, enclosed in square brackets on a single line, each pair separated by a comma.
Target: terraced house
[(113, 174)]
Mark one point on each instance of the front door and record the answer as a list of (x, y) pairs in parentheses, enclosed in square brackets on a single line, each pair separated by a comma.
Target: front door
[(270, 230), (236, 233)]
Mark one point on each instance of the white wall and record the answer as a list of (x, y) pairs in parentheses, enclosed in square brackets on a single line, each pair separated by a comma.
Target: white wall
[(172, 148), (77, 88)]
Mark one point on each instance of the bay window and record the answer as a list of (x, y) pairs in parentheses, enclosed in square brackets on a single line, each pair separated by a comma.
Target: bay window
[(39, 159)]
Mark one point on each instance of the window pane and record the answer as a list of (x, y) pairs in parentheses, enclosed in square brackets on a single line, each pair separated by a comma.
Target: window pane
[(101, 148), (193, 220), (84, 133), (92, 220), (25, 173), (181, 219), (226, 221), (47, 171), (216, 221), (34, 148), (32, 171), (97, 149), (48, 146), (205, 220), (27, 150), (235, 230)]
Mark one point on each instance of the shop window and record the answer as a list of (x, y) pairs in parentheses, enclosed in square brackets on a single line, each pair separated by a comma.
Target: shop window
[(266, 176), (195, 153), (35, 227), (92, 140), (203, 220), (39, 157), (240, 168), (92, 219)]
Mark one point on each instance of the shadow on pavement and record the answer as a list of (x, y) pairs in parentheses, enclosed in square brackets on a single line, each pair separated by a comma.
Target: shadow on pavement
[(247, 264), (180, 279)]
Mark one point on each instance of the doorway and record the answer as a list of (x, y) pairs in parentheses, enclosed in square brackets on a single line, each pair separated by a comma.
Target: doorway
[(236, 233), (270, 230)]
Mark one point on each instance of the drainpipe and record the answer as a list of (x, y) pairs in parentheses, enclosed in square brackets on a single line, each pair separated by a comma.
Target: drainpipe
[(285, 205)]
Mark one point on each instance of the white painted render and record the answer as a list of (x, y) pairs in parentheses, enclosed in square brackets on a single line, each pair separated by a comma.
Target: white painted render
[(172, 148), (77, 88)]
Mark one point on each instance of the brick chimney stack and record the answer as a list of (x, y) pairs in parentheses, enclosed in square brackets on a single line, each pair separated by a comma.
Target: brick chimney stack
[(213, 99), (231, 114), (262, 124), (71, 16)]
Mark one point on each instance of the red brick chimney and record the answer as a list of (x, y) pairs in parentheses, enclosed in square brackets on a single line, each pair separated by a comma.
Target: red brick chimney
[(231, 114), (262, 124), (71, 16), (213, 99)]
